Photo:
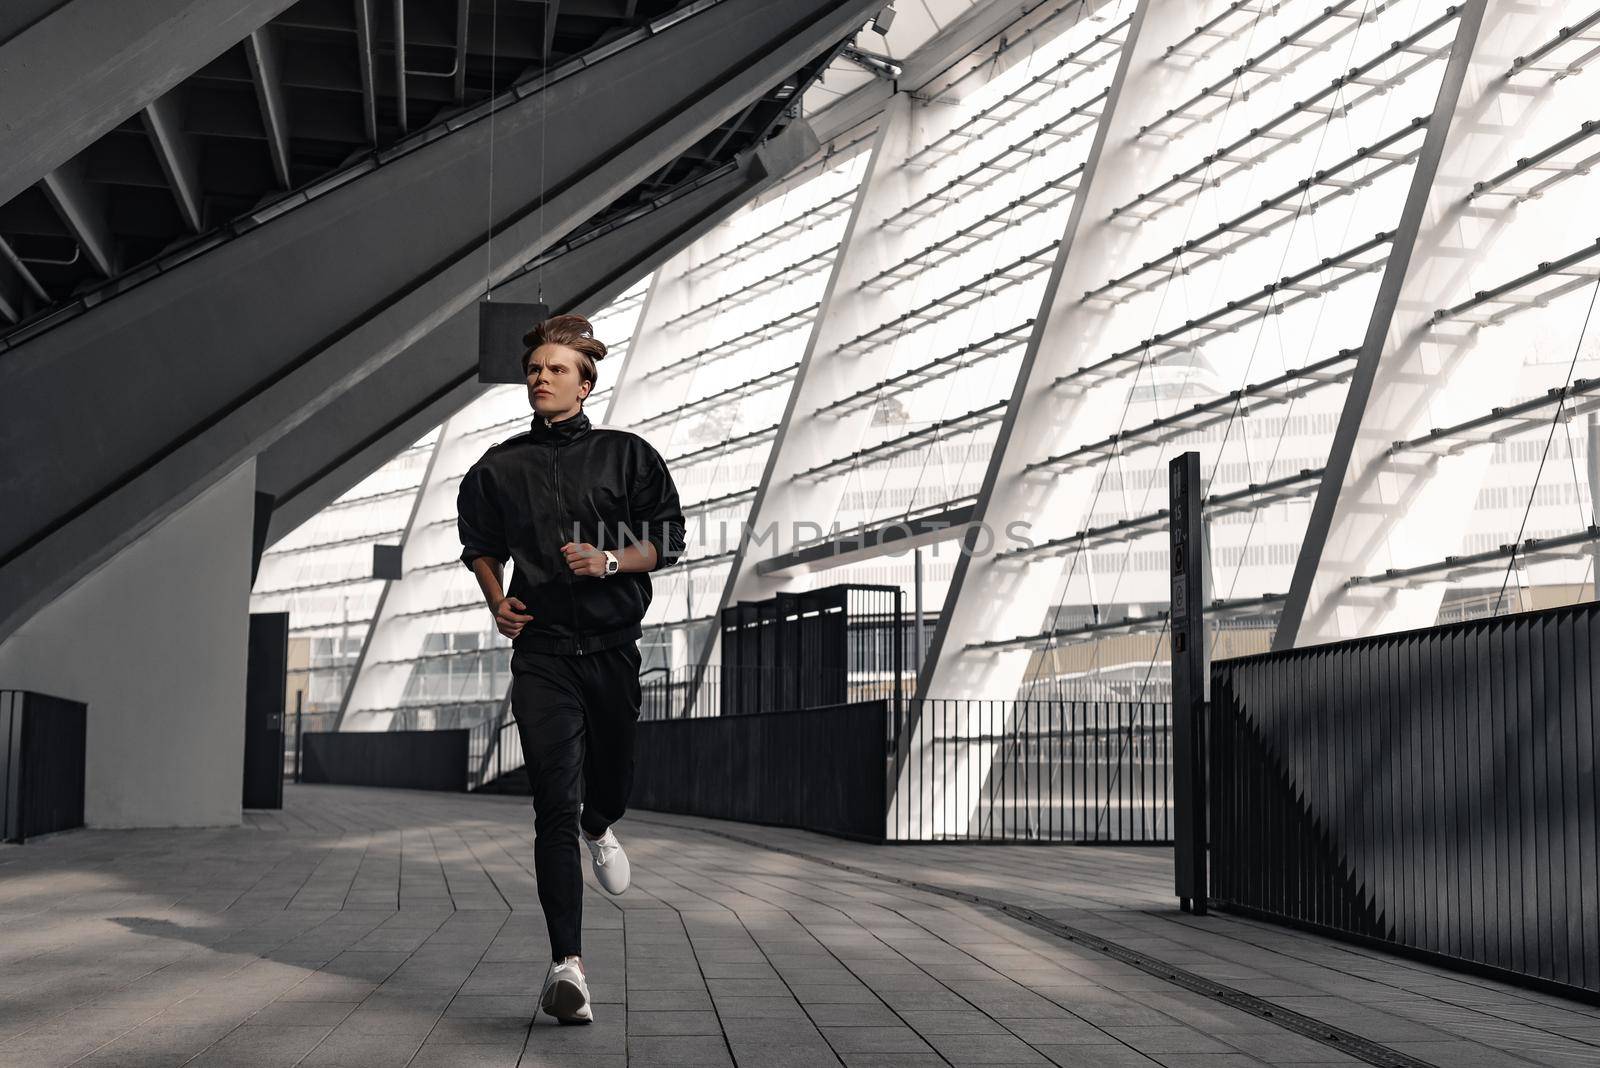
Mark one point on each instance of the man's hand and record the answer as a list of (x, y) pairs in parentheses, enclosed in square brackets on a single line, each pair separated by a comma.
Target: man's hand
[(585, 559), (507, 617)]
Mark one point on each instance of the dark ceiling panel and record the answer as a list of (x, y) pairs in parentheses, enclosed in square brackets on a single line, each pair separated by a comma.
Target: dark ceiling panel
[(317, 54)]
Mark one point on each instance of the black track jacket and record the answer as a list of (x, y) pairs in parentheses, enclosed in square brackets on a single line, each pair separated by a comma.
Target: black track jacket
[(571, 481)]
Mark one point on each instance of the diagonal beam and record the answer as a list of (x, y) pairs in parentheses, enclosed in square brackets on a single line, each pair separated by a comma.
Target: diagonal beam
[(82, 70), (19, 289), (266, 71), (366, 60), (368, 267), (13, 291), (401, 116), (547, 42), (82, 207), (365, 426), (459, 89), (1378, 508), (993, 594), (178, 155)]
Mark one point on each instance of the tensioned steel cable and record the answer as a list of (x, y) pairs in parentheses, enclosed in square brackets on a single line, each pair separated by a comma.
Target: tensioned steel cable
[(1029, 682), (686, 576), (1577, 350), (1233, 417), (934, 455), (1584, 519), (1234, 412), (1288, 413), (488, 240)]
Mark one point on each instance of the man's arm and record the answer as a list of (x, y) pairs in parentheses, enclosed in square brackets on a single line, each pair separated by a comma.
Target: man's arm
[(654, 500), (507, 611), (484, 550), (655, 537), (584, 559), (490, 574)]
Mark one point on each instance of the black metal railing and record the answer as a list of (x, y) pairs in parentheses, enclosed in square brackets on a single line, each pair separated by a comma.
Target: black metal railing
[(669, 694), (800, 649), (658, 694), (1058, 771), (493, 748), (1432, 791)]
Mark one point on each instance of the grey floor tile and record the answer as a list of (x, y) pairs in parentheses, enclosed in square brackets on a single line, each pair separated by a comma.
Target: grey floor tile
[(875, 1040), (247, 946)]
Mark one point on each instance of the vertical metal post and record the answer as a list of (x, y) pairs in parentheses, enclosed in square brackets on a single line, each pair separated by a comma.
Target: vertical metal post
[(299, 709), (916, 589), (1188, 680), (1592, 457), (899, 663)]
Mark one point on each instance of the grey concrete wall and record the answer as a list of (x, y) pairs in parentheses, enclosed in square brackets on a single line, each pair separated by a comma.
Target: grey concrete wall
[(155, 643)]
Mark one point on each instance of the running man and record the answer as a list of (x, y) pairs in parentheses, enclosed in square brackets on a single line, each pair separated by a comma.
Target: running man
[(585, 513)]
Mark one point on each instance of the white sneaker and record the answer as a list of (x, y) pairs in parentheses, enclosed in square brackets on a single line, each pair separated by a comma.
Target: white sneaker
[(610, 862), (566, 993)]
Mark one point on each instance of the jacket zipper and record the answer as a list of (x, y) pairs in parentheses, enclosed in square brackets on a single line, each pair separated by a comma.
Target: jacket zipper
[(555, 478)]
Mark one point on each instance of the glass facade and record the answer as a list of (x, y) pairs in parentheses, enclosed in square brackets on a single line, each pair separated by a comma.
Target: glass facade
[(1337, 249), (321, 574)]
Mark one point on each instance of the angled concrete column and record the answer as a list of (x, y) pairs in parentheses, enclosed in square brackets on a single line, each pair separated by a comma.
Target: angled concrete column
[(864, 249), (701, 351), (1413, 376), (209, 363), (782, 503), (991, 596), (88, 65), (378, 681)]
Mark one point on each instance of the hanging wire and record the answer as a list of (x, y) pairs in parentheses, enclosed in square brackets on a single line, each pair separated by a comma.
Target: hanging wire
[(1585, 518), (1237, 407), (1047, 653), (1322, 306), (1516, 543), (544, 129), (488, 244), (933, 453)]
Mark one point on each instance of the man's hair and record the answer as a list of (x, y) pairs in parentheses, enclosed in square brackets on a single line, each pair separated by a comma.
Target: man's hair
[(573, 332)]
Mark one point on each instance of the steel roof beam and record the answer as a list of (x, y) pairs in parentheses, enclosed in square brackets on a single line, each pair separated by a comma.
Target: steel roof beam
[(209, 363), (82, 207), (178, 156), (266, 71), (80, 71)]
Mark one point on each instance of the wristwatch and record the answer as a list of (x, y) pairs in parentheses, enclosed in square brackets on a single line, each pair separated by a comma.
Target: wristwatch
[(611, 563)]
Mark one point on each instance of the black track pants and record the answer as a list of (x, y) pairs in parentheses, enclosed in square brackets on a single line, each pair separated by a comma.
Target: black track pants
[(576, 716)]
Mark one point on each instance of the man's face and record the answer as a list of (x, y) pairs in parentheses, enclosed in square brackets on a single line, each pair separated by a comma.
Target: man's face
[(555, 384)]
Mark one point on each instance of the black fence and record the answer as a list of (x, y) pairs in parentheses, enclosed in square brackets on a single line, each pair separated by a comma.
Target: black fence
[(806, 649), (412, 760), (1432, 792), (42, 764), (494, 751), (1014, 771), (821, 769), (934, 771), (671, 694)]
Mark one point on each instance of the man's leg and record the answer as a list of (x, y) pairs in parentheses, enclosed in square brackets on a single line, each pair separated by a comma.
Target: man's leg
[(611, 699), (548, 706)]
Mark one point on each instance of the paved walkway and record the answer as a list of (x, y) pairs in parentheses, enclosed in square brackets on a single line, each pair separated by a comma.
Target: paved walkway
[(373, 927)]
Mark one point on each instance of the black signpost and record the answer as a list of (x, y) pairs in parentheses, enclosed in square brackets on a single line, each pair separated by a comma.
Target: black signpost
[(1188, 681)]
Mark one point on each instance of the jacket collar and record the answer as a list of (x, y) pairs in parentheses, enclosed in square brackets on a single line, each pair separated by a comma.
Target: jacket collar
[(562, 431)]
